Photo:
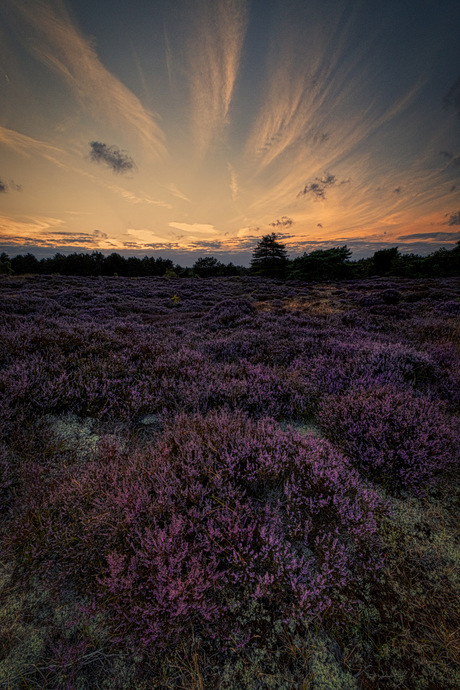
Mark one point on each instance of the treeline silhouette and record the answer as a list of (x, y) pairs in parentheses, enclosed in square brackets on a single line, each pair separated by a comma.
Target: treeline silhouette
[(269, 259), (335, 264)]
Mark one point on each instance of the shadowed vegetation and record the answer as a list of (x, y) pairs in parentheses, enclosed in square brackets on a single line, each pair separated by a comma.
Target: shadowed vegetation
[(231, 482)]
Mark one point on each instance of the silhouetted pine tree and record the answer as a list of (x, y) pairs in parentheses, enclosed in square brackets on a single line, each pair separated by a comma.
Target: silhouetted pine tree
[(270, 258)]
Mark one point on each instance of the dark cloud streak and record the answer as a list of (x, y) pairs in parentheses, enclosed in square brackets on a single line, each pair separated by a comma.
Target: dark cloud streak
[(283, 222), (5, 188), (444, 236), (454, 160), (117, 160), (318, 186), (454, 218), (453, 96)]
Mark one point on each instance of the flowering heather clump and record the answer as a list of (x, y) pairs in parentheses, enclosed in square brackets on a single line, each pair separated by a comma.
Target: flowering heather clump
[(342, 366), (392, 434), (152, 481), (220, 512), (260, 390), (228, 314)]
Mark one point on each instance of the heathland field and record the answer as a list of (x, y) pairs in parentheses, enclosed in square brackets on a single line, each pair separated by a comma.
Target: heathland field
[(229, 483)]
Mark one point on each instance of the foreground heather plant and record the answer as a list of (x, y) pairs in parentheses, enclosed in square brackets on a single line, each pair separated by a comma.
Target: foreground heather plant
[(225, 525), (393, 435), (143, 533)]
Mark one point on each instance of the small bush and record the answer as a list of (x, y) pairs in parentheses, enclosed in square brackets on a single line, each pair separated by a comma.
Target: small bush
[(391, 296), (392, 434), (228, 314)]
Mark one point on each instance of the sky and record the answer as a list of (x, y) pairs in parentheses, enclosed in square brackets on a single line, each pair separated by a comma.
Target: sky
[(188, 128)]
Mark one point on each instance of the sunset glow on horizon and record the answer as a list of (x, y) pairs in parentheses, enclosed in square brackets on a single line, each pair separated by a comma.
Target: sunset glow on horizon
[(195, 127)]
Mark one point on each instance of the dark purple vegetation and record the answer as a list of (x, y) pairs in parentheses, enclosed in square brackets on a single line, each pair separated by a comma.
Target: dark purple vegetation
[(392, 434), (221, 512), (199, 507)]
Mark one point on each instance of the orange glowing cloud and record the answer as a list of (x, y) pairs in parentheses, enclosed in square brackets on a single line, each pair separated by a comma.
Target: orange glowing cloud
[(60, 46)]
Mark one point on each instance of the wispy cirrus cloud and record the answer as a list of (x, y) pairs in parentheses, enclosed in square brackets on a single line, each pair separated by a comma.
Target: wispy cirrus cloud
[(213, 49), (304, 87), (234, 186), (175, 191), (57, 42), (319, 103), (135, 198), (27, 146)]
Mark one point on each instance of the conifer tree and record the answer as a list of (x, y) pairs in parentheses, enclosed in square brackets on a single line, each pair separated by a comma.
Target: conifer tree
[(270, 258)]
